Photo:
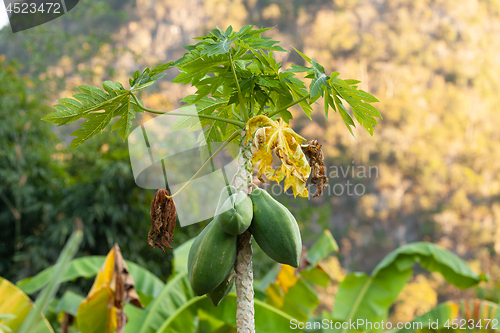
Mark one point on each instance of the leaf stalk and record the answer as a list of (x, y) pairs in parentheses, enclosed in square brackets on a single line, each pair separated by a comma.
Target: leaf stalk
[(173, 113)]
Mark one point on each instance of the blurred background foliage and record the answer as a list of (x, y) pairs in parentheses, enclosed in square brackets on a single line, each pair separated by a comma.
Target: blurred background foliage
[(433, 64)]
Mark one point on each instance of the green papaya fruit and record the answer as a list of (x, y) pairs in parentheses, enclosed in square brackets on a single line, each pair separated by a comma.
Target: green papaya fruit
[(275, 229), (236, 214), (221, 291), (211, 258), (225, 193)]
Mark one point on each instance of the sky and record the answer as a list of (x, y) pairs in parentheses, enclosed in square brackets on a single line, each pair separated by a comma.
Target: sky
[(4, 19)]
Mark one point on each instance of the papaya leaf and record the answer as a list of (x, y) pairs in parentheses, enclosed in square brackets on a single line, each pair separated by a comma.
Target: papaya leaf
[(148, 76), (98, 107)]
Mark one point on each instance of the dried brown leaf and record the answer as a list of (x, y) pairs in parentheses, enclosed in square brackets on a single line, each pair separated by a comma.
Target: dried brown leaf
[(312, 150), (163, 216)]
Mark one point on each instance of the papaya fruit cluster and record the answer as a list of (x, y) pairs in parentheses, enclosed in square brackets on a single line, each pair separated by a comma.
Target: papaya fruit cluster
[(213, 253)]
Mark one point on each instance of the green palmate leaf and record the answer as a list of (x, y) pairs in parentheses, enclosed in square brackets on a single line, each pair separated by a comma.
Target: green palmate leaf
[(206, 105), (199, 66), (148, 76), (346, 117), (352, 82), (297, 91), (319, 81), (306, 58), (363, 112), (369, 297), (484, 316), (235, 67), (329, 103), (87, 267), (98, 107)]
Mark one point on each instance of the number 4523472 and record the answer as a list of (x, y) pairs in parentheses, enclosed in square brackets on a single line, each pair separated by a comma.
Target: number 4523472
[(491, 324), (32, 8)]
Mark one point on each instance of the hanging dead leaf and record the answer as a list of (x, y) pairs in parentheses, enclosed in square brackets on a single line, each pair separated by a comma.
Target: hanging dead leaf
[(102, 310), (163, 216), (277, 136), (312, 150)]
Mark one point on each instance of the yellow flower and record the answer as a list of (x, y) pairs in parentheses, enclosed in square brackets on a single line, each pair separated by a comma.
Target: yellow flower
[(277, 136)]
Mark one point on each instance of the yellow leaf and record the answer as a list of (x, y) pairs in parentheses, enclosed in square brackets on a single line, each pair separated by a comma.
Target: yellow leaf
[(102, 310), (14, 301), (105, 275), (96, 312), (286, 278), (277, 136), (284, 281)]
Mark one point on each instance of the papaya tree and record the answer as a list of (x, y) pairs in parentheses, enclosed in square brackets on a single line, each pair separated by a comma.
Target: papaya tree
[(243, 97)]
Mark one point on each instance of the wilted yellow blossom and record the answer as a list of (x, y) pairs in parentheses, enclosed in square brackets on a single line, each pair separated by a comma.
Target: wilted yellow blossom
[(277, 136)]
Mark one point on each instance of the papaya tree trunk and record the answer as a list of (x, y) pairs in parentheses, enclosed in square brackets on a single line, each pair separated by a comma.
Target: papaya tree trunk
[(245, 313), (244, 285)]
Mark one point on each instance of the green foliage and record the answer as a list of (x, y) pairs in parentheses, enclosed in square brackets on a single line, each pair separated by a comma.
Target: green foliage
[(174, 295), (87, 267), (15, 306), (322, 248), (472, 315), (29, 177), (173, 306), (49, 291), (44, 191), (99, 106), (78, 34), (24, 315), (230, 69), (211, 319), (369, 297)]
